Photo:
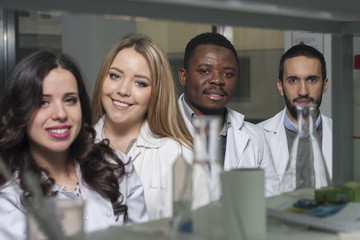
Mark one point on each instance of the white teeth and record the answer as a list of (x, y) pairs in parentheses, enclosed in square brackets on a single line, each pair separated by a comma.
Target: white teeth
[(59, 131), (215, 95), (121, 104)]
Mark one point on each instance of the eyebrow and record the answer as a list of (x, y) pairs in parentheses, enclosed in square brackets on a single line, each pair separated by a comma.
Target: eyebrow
[(136, 75), (292, 77), (297, 77), (312, 76), (209, 65), (66, 94), (116, 69)]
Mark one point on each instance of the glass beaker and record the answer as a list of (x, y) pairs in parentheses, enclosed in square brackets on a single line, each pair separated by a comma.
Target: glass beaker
[(306, 167)]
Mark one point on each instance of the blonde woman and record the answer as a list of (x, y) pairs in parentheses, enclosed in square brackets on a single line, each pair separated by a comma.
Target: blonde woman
[(135, 107)]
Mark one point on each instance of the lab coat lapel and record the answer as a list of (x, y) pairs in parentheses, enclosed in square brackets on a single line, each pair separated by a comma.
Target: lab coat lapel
[(327, 143), (276, 136), (280, 155), (235, 144), (186, 120), (236, 141), (145, 140)]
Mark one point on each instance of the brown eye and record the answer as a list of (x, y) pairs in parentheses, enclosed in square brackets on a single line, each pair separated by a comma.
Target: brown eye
[(71, 100), (228, 74), (204, 71), (44, 103)]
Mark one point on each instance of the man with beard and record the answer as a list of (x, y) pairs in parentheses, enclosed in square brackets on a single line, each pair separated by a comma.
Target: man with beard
[(302, 79), (209, 78)]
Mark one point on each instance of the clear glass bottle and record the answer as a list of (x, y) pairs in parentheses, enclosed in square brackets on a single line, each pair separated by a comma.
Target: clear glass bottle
[(198, 184), (207, 158), (306, 167)]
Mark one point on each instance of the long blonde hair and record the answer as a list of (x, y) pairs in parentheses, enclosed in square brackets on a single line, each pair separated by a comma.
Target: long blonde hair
[(163, 115)]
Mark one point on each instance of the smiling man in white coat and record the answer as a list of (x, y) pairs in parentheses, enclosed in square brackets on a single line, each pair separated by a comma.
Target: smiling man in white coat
[(209, 78), (302, 79)]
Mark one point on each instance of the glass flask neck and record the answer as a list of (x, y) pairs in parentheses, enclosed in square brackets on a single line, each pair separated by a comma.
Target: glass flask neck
[(306, 119), (206, 138)]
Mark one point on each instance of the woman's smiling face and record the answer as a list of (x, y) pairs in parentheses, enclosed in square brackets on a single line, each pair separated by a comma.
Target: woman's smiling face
[(126, 89), (57, 123)]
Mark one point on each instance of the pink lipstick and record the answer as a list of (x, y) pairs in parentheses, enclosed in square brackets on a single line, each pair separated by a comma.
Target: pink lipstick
[(59, 132)]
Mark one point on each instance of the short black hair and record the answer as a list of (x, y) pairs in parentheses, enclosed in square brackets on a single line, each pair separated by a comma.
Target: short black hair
[(304, 51), (207, 38)]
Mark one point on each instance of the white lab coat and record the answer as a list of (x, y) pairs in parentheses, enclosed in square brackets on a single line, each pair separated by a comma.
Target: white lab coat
[(153, 158), (245, 148), (98, 211), (276, 137)]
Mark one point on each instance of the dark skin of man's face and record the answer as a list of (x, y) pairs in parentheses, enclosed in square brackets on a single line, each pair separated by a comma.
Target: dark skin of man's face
[(210, 80)]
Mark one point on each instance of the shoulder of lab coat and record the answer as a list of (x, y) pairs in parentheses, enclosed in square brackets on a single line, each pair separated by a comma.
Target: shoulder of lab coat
[(274, 124), (275, 136), (246, 147), (12, 213)]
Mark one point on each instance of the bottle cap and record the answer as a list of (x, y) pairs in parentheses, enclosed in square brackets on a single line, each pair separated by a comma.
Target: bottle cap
[(357, 61)]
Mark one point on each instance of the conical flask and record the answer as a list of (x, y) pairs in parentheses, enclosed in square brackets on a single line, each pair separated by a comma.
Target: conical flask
[(306, 167)]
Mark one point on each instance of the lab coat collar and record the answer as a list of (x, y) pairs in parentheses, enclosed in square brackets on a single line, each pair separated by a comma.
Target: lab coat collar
[(236, 140), (147, 139), (276, 123), (237, 119)]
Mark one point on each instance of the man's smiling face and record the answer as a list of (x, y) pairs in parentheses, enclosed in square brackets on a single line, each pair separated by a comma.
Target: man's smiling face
[(210, 80)]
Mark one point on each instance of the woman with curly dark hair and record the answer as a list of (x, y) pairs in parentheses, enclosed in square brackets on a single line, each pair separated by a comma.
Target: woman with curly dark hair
[(45, 128)]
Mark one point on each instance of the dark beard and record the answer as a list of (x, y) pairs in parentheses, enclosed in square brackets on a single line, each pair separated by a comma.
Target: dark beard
[(292, 108)]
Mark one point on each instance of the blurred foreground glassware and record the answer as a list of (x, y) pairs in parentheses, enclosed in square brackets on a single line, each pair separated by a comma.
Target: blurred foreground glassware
[(182, 196), (207, 157), (306, 167), (68, 214), (37, 210), (197, 184)]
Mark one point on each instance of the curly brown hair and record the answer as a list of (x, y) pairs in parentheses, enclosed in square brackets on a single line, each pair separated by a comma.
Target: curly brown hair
[(100, 167)]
